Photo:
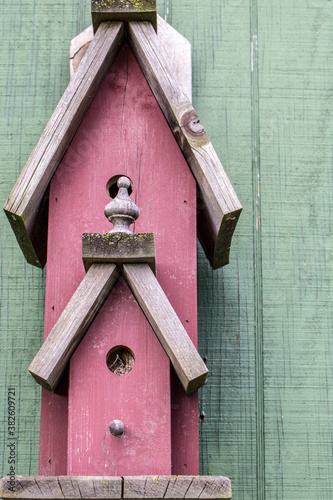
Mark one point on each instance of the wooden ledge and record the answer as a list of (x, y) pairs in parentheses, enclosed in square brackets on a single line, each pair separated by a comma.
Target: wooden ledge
[(118, 248), (106, 487), (120, 10)]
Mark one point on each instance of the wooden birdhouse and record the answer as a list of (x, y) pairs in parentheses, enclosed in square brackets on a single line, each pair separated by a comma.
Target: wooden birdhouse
[(113, 196)]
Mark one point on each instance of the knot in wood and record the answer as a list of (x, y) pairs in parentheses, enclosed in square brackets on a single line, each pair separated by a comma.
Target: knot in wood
[(192, 125), (122, 211)]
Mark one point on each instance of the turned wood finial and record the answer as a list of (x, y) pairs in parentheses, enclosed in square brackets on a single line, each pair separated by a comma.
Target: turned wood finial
[(122, 211)]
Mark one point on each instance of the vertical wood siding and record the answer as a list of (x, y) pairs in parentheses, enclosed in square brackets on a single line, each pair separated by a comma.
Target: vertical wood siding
[(265, 321)]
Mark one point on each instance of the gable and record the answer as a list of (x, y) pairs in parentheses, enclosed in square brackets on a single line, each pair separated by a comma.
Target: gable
[(219, 207)]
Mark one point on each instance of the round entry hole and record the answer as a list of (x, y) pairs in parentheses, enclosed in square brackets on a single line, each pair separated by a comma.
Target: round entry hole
[(112, 188), (120, 360)]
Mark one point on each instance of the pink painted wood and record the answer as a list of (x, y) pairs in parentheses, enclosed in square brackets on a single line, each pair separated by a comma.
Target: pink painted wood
[(123, 132), (140, 398)]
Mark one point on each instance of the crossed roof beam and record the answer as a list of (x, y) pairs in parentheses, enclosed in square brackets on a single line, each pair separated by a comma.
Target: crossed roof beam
[(106, 257)]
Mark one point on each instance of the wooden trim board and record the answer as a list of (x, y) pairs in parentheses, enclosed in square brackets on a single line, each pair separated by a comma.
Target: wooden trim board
[(108, 487), (24, 202), (189, 366), (219, 207), (52, 358)]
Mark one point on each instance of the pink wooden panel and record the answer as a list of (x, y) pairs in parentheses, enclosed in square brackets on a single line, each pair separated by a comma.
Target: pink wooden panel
[(53, 431), (140, 398), (124, 132)]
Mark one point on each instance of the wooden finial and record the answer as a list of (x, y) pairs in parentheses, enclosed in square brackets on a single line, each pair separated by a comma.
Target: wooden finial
[(122, 211), (116, 428)]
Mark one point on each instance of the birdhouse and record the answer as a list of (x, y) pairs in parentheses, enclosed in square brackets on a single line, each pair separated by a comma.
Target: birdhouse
[(122, 181)]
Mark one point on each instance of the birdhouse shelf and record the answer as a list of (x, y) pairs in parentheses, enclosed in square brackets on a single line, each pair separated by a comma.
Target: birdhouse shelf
[(91, 488)]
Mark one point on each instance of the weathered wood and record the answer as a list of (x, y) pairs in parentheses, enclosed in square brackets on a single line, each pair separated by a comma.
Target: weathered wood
[(177, 48), (178, 51), (145, 486), (295, 96), (53, 356), (23, 204), (190, 368), (55, 487), (185, 451), (120, 10), (118, 248), (219, 207), (103, 487), (78, 47), (176, 487)]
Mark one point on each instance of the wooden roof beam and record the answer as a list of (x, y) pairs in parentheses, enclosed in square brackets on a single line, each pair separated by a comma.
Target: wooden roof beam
[(24, 203), (190, 368), (218, 207), (49, 363)]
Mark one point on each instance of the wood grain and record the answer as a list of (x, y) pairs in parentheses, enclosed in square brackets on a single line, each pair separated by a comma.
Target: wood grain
[(103, 487), (218, 204), (54, 487), (190, 368), (178, 51), (118, 248), (78, 47), (297, 319), (50, 361), (23, 204), (176, 46)]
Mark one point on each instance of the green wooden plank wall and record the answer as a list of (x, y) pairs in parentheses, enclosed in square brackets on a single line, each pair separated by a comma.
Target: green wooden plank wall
[(262, 85)]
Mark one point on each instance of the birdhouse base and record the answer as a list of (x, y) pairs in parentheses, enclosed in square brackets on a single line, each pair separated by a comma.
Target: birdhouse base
[(106, 487)]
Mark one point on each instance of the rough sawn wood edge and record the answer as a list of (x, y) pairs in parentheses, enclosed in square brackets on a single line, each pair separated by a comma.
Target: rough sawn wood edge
[(118, 248), (108, 487)]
